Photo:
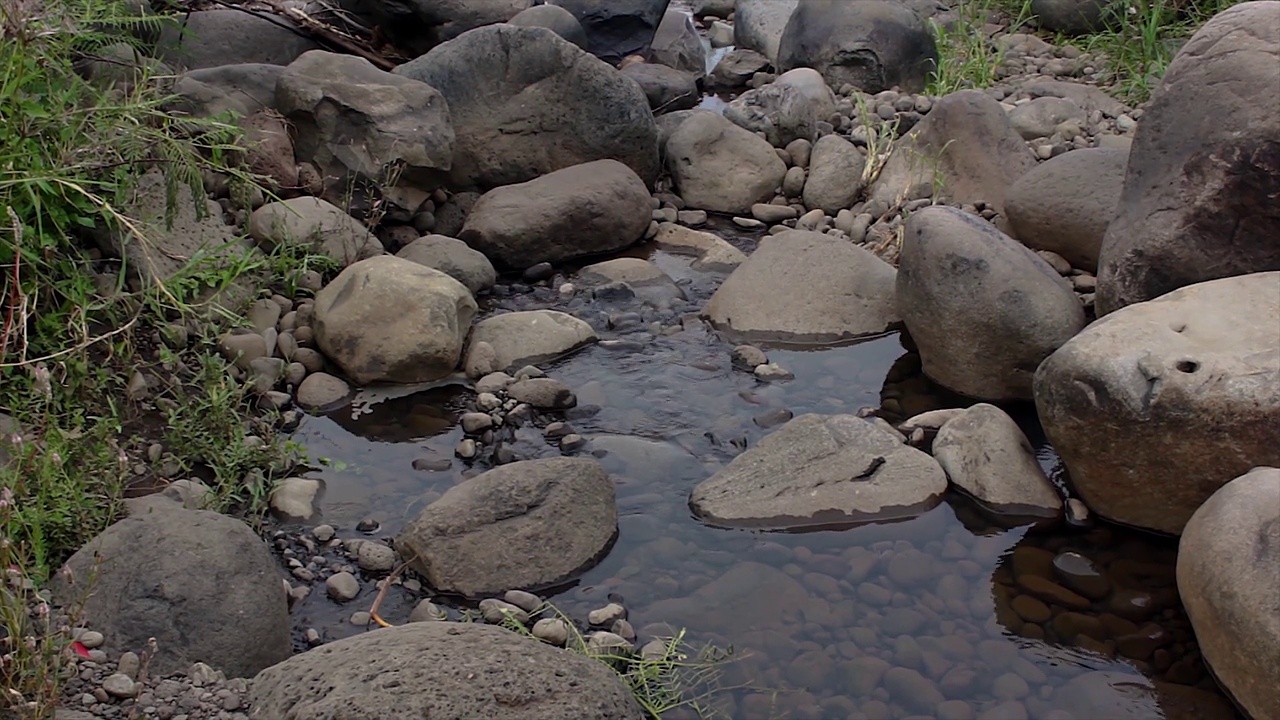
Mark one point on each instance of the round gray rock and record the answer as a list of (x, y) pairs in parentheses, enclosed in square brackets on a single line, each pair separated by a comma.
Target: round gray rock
[(986, 454), (441, 670), (453, 258), (530, 524), (529, 337), (554, 18), (202, 584), (720, 167)]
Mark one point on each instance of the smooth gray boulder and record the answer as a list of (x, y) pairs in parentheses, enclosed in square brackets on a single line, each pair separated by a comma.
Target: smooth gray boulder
[(986, 454), (720, 167), (530, 525), (820, 470), (758, 25), (617, 28), (547, 105), (1227, 579), (782, 112), (201, 583), (531, 336), (453, 258), (554, 18), (441, 670), (387, 319), (805, 287), (582, 210), (983, 309), (676, 44), (314, 224), (835, 175), (1157, 405), (873, 45), (1065, 204)]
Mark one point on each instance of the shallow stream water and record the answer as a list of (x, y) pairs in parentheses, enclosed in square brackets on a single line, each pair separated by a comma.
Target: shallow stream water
[(953, 613)]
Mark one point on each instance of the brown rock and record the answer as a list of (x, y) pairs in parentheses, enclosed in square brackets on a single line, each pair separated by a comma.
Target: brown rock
[(1051, 592)]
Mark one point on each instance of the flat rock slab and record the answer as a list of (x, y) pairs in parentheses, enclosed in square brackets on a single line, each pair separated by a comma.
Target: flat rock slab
[(818, 470), (805, 287), (441, 670), (528, 525), (532, 336)]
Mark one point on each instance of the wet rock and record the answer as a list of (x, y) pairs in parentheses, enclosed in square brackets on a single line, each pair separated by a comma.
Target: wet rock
[(313, 224), (782, 112), (642, 276), (911, 689), (986, 455), (386, 119), (453, 258), (720, 167), (532, 336), (393, 320), (820, 469), (444, 670), (965, 150), (1064, 205), (870, 44), (1052, 592), (666, 88), (582, 110), (1204, 170), (213, 566), (586, 209), (1129, 696), (528, 524), (749, 596), (957, 275), (801, 286), (296, 498), (835, 175), (1227, 559), (1081, 575), (554, 18), (1162, 403), (676, 44), (736, 69), (713, 253), (543, 394), (758, 25)]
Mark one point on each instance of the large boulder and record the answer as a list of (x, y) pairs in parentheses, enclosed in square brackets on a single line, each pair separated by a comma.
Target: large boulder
[(586, 209), (556, 19), (1156, 406), (617, 28), (781, 112), (528, 525), (677, 44), (1064, 205), (529, 337), (417, 27), (805, 287), (873, 45), (758, 25), (201, 583), (983, 309), (965, 148), (387, 319), (350, 117), (821, 470), (547, 105), (444, 670), (228, 36), (1227, 561), (835, 174), (315, 225), (809, 82), (720, 167), (1200, 193), (986, 454)]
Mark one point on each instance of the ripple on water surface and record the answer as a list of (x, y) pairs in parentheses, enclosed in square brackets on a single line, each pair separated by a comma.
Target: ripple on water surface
[(949, 614)]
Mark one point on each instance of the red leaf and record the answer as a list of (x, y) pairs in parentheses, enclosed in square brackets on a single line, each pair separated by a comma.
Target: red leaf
[(80, 649)]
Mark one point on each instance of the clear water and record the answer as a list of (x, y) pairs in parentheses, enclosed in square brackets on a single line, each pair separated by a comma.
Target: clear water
[(814, 618)]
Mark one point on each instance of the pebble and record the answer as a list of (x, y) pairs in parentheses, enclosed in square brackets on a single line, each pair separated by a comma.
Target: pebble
[(91, 639), (748, 223), (120, 685), (1080, 574), (606, 615), (474, 423), (748, 357), (323, 533), (770, 372), (572, 441), (342, 587), (427, 611), (466, 449), (375, 557), (551, 630), (496, 611), (526, 601)]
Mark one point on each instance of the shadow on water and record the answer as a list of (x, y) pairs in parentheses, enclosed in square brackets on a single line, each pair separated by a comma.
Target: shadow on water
[(948, 612)]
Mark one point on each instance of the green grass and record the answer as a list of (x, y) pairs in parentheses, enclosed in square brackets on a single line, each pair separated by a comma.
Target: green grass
[(1133, 50), (71, 150)]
